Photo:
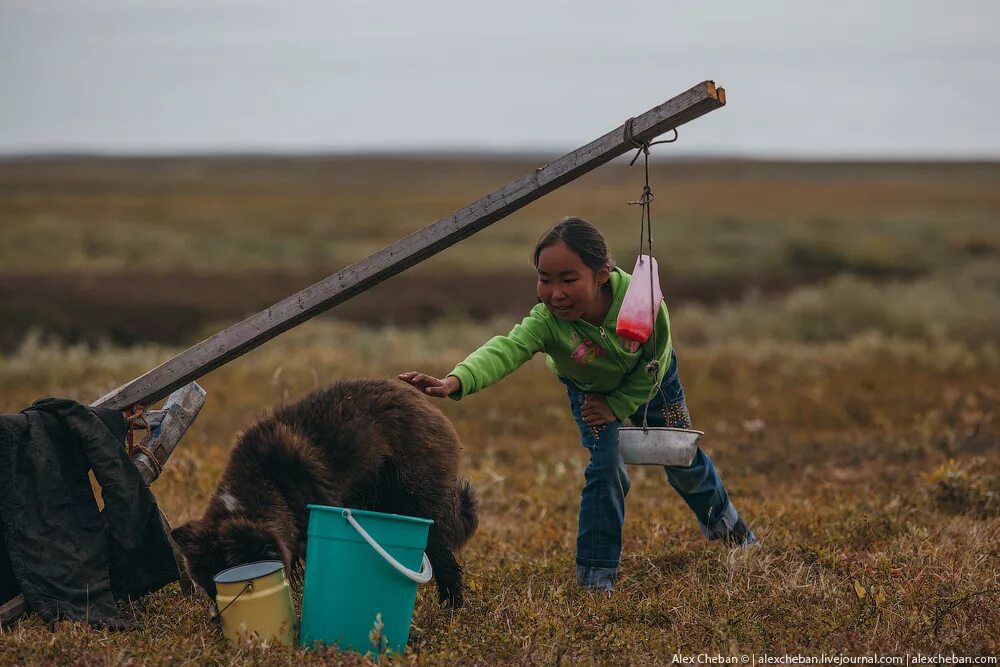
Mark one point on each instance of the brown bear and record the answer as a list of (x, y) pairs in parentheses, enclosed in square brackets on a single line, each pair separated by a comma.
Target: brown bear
[(368, 444)]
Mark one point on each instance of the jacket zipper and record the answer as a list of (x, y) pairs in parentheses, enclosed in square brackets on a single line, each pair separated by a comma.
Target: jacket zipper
[(614, 349)]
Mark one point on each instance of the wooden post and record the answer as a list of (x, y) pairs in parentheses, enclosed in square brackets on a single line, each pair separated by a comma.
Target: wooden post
[(13, 609), (257, 329), (178, 413)]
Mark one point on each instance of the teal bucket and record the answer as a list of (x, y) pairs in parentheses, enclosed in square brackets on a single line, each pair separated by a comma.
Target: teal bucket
[(362, 572)]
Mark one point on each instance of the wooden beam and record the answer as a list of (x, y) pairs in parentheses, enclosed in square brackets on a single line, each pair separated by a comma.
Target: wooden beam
[(13, 609), (244, 336)]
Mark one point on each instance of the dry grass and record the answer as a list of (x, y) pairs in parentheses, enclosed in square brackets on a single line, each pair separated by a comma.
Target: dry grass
[(164, 247), (715, 218), (868, 463)]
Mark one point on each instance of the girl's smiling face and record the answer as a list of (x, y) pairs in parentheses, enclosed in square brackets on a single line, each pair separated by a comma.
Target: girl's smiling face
[(570, 288)]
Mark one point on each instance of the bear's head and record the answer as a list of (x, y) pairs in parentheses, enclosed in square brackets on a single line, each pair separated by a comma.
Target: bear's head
[(209, 547)]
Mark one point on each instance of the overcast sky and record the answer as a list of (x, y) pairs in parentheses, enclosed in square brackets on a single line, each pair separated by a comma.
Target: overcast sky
[(895, 78)]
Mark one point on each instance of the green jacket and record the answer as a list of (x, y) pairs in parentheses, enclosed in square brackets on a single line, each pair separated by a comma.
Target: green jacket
[(592, 358)]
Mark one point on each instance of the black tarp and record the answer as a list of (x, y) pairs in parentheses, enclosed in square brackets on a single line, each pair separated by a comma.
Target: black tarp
[(71, 560)]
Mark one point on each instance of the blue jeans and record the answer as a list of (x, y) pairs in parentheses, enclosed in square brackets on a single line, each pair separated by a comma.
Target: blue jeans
[(602, 506)]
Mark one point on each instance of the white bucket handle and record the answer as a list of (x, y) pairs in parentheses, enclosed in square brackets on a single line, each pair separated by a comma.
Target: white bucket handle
[(421, 577)]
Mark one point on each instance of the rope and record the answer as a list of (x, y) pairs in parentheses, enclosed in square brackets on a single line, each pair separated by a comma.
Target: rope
[(646, 232), (628, 135), (153, 463), (135, 419)]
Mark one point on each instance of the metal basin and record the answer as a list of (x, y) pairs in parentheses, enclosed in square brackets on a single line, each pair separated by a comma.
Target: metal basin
[(658, 445)]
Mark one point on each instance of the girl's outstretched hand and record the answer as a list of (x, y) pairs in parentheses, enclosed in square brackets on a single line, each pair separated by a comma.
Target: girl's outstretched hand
[(430, 385)]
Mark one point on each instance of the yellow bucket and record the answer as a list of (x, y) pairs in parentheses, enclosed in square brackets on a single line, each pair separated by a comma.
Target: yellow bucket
[(255, 603)]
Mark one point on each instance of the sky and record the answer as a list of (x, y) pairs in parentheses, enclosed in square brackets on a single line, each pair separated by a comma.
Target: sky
[(804, 78)]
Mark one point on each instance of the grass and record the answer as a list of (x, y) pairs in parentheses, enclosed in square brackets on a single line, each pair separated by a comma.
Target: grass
[(836, 327), (854, 480), (711, 218), (161, 247), (962, 303)]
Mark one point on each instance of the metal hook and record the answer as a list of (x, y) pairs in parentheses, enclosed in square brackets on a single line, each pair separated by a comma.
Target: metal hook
[(667, 141)]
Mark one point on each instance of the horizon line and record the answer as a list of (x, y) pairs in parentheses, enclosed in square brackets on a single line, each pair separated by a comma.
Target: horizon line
[(482, 154)]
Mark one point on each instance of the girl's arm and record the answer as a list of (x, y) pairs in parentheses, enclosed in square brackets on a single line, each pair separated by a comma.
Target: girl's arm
[(502, 355)]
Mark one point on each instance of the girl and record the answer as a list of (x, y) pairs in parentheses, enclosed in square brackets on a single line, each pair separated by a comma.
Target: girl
[(581, 292)]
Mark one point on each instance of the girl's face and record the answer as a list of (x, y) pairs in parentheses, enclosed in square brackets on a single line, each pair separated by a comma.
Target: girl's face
[(569, 288)]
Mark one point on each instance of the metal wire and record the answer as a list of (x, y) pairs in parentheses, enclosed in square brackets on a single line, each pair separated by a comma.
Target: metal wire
[(646, 233), (218, 614)]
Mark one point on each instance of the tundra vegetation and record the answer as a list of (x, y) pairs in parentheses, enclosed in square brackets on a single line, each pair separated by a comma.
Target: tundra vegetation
[(836, 328)]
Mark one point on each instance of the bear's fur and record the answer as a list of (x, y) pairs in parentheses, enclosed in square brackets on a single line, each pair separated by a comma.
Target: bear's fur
[(365, 444)]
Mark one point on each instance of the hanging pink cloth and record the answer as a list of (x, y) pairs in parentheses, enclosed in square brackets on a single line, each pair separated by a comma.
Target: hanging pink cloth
[(638, 313)]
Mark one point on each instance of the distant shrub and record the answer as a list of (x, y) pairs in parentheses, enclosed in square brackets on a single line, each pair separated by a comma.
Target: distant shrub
[(962, 305), (872, 257), (965, 488)]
